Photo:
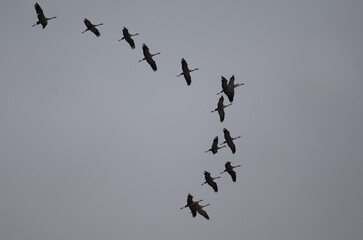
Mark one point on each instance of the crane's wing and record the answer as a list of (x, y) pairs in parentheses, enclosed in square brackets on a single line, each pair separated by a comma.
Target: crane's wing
[(201, 211), (213, 184), (221, 114), (233, 175), (95, 31), (38, 9), (231, 146), (152, 63)]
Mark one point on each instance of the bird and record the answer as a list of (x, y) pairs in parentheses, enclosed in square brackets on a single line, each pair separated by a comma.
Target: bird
[(186, 72), (231, 87), (195, 207), (210, 181), (91, 27), (41, 18), (220, 108), (229, 140), (229, 169), (215, 147), (127, 36), (190, 204), (224, 82), (149, 57)]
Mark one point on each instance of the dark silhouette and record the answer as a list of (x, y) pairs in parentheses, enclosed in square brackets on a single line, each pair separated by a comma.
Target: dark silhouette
[(41, 18), (210, 181), (186, 72), (149, 57), (91, 27), (231, 87), (220, 108), (195, 207), (224, 85), (229, 140), (214, 148), (127, 36), (229, 169)]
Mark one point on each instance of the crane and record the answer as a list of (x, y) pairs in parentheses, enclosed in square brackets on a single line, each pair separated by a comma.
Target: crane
[(149, 57), (231, 87), (214, 148), (127, 36), (41, 18), (186, 72), (91, 27), (195, 207), (220, 108), (229, 140), (210, 181), (229, 169), (190, 204), (224, 82)]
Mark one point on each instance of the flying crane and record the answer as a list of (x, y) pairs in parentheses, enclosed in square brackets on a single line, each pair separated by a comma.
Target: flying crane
[(186, 72), (210, 181), (127, 36), (220, 108), (215, 147), (41, 18), (229, 169), (229, 140), (91, 27), (149, 57)]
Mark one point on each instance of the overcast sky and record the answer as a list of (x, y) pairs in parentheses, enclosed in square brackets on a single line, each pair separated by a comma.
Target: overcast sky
[(95, 145)]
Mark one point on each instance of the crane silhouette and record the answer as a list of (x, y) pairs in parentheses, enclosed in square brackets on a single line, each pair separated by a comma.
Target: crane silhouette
[(229, 140), (231, 87), (149, 57), (41, 18), (91, 27), (195, 207), (190, 204), (220, 108), (224, 82), (186, 72), (210, 181), (127, 36), (229, 169), (214, 148)]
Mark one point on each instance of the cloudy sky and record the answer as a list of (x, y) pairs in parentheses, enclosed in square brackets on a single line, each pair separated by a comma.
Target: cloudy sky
[(95, 145)]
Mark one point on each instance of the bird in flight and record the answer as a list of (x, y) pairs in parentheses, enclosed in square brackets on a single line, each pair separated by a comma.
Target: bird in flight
[(41, 18)]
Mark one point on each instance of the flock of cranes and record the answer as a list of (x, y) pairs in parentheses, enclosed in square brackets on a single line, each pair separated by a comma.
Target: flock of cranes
[(227, 89)]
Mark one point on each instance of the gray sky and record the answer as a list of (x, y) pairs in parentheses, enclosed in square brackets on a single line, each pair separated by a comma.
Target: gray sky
[(95, 145)]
